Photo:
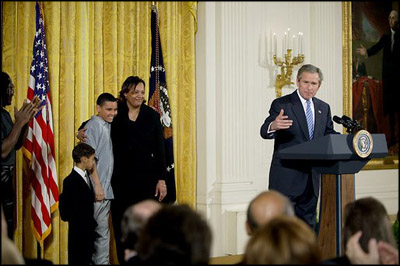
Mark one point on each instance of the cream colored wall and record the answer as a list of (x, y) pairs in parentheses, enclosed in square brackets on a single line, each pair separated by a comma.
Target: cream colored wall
[(234, 91)]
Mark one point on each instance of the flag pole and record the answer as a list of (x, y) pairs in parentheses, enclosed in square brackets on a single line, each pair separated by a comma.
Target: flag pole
[(38, 251), (39, 248), (158, 79)]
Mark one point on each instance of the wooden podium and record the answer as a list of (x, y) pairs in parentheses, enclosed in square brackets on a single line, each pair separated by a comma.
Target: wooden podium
[(334, 158)]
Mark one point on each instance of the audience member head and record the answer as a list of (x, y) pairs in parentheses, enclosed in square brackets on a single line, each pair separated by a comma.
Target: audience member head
[(264, 207), (369, 216), (6, 89), (83, 155), (134, 219), (132, 91), (283, 240), (175, 234)]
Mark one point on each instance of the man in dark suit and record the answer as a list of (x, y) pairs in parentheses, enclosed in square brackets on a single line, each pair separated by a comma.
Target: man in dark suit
[(294, 119), (76, 206), (390, 43)]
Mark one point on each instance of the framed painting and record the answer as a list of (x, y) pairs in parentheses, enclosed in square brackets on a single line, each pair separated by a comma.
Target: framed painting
[(365, 98)]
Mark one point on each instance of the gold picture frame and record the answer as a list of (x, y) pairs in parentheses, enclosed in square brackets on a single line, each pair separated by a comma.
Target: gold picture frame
[(389, 162)]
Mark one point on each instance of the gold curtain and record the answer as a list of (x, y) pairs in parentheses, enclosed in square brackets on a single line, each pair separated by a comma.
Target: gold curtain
[(92, 47)]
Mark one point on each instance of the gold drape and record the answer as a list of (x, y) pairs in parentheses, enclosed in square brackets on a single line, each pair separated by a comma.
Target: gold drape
[(92, 47)]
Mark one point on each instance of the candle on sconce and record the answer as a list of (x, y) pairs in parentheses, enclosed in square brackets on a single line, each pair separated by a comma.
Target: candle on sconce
[(272, 43), (268, 48), (288, 39), (285, 43), (293, 45), (300, 43), (275, 44)]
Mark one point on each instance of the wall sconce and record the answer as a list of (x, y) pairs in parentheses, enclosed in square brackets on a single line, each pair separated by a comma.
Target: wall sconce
[(286, 65)]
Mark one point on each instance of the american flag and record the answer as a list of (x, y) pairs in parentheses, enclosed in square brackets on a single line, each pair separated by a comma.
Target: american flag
[(159, 100), (39, 145)]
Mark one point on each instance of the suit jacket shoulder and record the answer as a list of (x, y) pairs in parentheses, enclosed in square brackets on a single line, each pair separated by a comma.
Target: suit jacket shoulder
[(76, 198)]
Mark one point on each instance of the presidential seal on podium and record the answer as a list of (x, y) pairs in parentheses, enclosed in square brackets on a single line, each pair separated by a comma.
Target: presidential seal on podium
[(363, 143)]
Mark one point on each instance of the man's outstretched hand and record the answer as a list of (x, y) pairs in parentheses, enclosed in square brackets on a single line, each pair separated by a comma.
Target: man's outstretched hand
[(281, 122)]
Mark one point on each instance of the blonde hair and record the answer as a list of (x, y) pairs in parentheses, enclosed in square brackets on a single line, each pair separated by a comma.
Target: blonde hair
[(283, 240)]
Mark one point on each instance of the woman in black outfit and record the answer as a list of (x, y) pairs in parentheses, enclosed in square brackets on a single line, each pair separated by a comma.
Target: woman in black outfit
[(139, 161)]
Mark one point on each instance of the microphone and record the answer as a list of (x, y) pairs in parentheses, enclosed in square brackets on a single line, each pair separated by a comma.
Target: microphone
[(354, 123), (348, 123), (338, 120), (349, 120), (343, 121)]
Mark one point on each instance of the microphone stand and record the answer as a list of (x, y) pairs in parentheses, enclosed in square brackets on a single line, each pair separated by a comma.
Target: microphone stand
[(355, 126)]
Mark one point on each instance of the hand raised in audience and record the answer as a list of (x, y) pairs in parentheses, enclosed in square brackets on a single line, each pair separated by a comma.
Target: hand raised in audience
[(356, 254), (387, 253)]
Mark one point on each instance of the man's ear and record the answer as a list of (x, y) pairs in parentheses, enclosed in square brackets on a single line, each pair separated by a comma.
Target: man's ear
[(98, 107)]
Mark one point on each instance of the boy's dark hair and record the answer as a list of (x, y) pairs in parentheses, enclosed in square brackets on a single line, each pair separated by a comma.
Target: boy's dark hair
[(80, 150), (105, 97)]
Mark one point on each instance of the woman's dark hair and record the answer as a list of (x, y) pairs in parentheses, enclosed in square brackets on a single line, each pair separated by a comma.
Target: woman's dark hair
[(369, 216), (129, 83)]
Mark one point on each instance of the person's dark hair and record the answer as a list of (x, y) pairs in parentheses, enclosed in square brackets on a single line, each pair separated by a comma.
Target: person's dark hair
[(81, 150), (105, 97), (310, 69), (370, 216), (5, 81), (130, 83), (176, 234)]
